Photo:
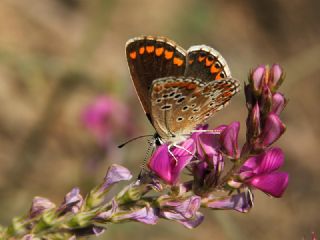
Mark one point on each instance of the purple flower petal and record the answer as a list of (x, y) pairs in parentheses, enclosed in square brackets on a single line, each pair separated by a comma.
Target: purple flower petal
[(97, 231), (241, 202), (193, 222), (104, 216), (115, 174), (273, 183), (182, 211), (229, 140), (273, 129), (189, 207), (145, 215)]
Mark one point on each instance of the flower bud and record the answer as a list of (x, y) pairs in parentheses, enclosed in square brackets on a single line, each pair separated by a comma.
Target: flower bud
[(40, 205), (253, 122), (257, 77), (147, 215), (250, 98), (241, 202), (184, 211), (72, 202), (229, 140), (278, 103), (115, 174), (276, 77), (266, 100)]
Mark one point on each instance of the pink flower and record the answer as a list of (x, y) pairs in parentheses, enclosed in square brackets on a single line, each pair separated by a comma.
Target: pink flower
[(105, 115), (169, 168), (261, 172)]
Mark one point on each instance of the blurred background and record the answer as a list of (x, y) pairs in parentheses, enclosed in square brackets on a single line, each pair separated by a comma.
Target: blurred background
[(61, 60)]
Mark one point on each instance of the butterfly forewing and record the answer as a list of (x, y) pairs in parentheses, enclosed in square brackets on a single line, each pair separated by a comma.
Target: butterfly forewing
[(150, 58), (180, 104)]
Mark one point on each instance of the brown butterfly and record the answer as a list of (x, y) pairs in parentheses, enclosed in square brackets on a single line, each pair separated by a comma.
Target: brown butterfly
[(178, 89)]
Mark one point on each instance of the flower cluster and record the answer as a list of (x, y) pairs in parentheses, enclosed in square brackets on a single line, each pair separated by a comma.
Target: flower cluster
[(221, 175)]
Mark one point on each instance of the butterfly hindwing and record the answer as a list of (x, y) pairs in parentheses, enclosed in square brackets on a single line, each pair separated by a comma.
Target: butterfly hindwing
[(180, 104), (150, 58)]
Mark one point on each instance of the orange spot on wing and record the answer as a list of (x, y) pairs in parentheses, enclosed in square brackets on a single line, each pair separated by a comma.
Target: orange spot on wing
[(191, 86), (200, 58), (190, 61), (159, 51), (208, 62), (141, 50), (218, 77), (177, 61), (150, 49), (133, 55), (213, 69), (157, 88), (168, 54), (227, 94)]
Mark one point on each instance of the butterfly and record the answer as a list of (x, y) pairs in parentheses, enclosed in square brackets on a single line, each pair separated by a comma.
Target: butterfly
[(178, 89)]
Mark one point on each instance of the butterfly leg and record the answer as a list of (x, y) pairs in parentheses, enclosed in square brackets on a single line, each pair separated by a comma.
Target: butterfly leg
[(171, 153), (143, 167)]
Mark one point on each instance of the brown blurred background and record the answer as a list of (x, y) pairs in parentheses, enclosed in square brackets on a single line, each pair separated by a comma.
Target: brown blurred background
[(57, 56)]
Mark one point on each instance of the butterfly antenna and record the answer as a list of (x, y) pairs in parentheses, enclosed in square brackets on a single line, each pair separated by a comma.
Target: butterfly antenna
[(132, 139)]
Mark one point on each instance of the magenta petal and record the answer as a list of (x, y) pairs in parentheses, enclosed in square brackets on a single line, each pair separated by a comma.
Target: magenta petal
[(252, 163), (229, 139), (278, 103), (273, 129), (257, 77), (276, 74), (207, 145), (272, 160), (274, 183), (160, 163), (183, 157)]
